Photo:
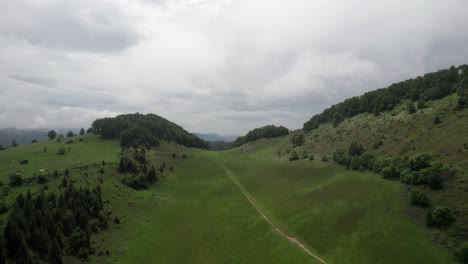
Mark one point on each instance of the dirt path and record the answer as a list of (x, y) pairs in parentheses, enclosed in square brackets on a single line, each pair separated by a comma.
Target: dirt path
[(282, 233)]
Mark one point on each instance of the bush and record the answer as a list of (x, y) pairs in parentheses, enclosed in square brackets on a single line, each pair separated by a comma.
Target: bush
[(411, 109), (419, 198), (61, 151), (355, 149), (305, 155), (325, 159), (298, 139), (390, 172), (440, 216), (437, 120), (311, 157), (16, 180), (420, 161), (42, 179), (293, 156), (340, 157)]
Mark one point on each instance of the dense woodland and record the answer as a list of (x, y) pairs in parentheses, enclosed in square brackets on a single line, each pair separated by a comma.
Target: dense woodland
[(138, 130), (45, 227), (431, 86), (269, 131)]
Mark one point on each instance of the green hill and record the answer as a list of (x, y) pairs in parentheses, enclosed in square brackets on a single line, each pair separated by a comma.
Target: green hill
[(138, 130)]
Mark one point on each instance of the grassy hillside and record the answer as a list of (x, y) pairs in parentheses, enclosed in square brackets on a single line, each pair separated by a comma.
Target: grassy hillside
[(399, 133), (344, 216)]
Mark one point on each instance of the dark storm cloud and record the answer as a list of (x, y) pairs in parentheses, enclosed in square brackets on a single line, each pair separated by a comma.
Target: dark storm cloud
[(214, 65)]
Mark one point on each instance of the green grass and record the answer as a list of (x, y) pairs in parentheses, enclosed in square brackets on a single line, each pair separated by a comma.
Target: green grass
[(196, 214), (344, 216), (205, 219)]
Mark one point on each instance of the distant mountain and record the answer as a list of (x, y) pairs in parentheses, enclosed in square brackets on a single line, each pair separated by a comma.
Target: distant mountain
[(22, 136), (25, 136), (216, 137)]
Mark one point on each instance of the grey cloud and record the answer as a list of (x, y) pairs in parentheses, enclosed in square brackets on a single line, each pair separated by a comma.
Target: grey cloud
[(214, 66), (33, 80), (67, 25)]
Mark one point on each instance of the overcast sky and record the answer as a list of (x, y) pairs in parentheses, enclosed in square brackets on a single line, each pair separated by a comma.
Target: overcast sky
[(213, 65)]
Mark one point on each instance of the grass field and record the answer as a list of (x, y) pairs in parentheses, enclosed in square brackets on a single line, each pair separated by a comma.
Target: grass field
[(196, 214), (344, 216)]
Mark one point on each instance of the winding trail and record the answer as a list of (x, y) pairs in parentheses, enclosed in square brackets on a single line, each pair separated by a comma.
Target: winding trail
[(292, 240)]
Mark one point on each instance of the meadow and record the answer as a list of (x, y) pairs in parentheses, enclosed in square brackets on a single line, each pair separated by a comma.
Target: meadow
[(196, 214)]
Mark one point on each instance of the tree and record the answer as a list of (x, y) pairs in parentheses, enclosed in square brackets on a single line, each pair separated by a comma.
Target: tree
[(70, 134), (82, 131), (33, 141), (54, 256), (2, 147), (14, 143), (52, 134), (90, 130), (462, 253)]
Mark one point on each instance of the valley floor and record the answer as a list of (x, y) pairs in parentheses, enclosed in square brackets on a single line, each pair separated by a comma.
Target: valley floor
[(341, 216)]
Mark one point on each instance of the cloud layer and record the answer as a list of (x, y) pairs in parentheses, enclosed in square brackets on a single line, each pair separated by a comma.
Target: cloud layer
[(213, 66)]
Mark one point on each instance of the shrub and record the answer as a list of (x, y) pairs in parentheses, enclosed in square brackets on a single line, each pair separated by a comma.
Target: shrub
[(311, 157), (437, 120), (298, 139), (293, 156), (16, 180), (340, 157), (411, 109), (42, 179), (390, 172), (325, 159), (61, 151), (305, 155), (355, 149), (440, 216), (419, 198), (420, 161)]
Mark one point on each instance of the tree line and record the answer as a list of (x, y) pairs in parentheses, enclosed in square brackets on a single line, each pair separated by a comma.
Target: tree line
[(138, 130), (431, 86), (270, 131)]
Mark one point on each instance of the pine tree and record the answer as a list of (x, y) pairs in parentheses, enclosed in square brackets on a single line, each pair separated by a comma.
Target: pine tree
[(55, 256)]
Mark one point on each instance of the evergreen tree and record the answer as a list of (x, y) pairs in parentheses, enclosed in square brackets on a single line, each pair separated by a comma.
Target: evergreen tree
[(54, 256)]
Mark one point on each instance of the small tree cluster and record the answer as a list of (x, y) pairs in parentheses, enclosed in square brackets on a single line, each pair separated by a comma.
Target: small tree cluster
[(135, 170)]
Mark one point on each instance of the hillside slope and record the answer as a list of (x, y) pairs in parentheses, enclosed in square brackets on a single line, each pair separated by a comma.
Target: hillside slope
[(399, 133)]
